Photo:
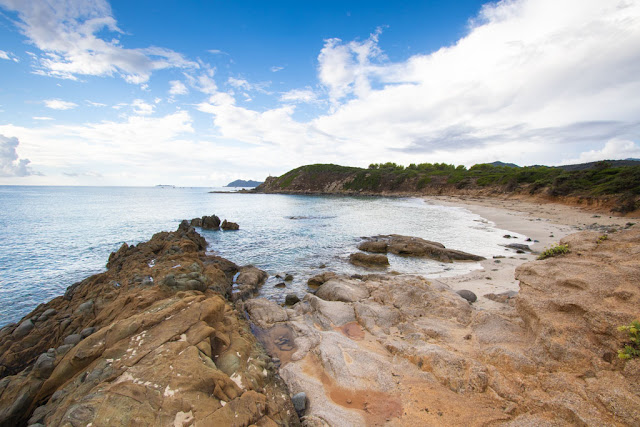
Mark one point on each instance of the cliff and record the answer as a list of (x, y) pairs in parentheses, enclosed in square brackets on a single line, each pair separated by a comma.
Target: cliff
[(601, 185)]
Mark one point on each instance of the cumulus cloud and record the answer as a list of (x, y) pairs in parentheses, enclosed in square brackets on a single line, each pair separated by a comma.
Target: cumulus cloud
[(614, 149), (142, 108), (177, 88), (247, 86), (68, 34), (299, 95), (58, 104), (10, 164), (533, 81)]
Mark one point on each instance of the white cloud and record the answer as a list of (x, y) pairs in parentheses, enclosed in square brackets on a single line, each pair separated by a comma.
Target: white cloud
[(95, 104), (142, 108), (534, 81), (217, 52), (299, 95), (614, 149), (10, 164), (245, 85), (275, 69), (177, 88), (42, 118), (66, 31), (58, 104), (8, 56)]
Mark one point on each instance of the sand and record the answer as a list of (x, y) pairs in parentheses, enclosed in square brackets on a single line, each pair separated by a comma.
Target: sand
[(545, 222)]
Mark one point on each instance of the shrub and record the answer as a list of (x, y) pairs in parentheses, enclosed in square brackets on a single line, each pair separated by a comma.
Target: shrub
[(554, 251), (632, 347)]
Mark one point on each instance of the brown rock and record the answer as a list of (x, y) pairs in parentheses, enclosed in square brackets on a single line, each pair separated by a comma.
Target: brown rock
[(227, 225), (415, 246), (360, 258)]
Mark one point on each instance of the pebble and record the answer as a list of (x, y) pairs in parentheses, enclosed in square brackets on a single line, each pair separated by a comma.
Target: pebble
[(73, 339), (299, 401)]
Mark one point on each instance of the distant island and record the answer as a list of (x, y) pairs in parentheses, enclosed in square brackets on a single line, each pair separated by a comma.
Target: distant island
[(243, 183)]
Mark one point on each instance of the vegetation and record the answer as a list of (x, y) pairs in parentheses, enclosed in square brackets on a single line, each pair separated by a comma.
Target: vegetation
[(602, 238), (601, 179), (554, 251), (632, 347)]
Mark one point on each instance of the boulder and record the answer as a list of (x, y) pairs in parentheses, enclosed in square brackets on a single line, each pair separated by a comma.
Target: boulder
[(468, 295), (227, 225), (518, 246), (291, 299), (344, 290), (319, 279), (360, 258), (264, 312), (23, 329), (415, 246), (210, 222)]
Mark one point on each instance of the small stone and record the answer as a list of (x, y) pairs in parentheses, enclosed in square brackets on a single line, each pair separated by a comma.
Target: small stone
[(73, 339), (291, 299), (468, 295), (507, 236), (280, 285), (288, 278), (528, 239), (299, 401)]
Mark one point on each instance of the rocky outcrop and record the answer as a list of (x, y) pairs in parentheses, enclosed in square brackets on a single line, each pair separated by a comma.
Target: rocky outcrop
[(406, 351), (151, 341), (415, 246), (212, 222), (369, 260), (228, 225)]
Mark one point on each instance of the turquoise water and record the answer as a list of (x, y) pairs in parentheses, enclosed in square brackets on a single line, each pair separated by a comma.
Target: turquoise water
[(51, 237)]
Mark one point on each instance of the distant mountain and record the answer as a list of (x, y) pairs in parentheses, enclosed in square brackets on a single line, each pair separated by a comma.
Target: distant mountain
[(594, 165), (243, 183), (511, 165)]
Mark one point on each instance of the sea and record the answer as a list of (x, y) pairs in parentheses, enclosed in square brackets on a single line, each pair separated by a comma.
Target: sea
[(52, 237)]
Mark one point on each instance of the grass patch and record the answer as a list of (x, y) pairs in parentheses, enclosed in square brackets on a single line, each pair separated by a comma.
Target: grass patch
[(632, 347), (554, 251)]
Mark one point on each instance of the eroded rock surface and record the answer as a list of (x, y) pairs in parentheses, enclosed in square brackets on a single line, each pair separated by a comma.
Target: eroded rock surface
[(151, 341), (401, 350), (415, 246)]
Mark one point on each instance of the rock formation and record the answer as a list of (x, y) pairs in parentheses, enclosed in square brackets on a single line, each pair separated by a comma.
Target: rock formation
[(151, 341), (415, 246), (406, 351)]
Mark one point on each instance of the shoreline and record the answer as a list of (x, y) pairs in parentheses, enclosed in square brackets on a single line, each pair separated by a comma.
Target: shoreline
[(544, 223)]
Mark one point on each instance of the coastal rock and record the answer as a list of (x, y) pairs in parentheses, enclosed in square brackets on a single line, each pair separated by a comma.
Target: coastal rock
[(415, 246), (319, 279), (383, 348), (291, 299), (248, 282), (210, 222), (468, 295), (152, 355), (518, 246), (375, 246), (228, 225), (360, 258), (21, 331)]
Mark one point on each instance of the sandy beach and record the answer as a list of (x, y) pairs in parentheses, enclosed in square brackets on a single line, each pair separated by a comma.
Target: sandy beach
[(544, 223)]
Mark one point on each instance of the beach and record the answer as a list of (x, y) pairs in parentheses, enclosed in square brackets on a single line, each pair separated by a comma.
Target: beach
[(544, 223)]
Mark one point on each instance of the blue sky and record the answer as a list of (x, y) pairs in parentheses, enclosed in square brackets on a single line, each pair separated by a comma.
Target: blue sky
[(201, 93)]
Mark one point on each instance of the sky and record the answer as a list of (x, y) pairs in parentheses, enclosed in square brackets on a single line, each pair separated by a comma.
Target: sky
[(201, 93)]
